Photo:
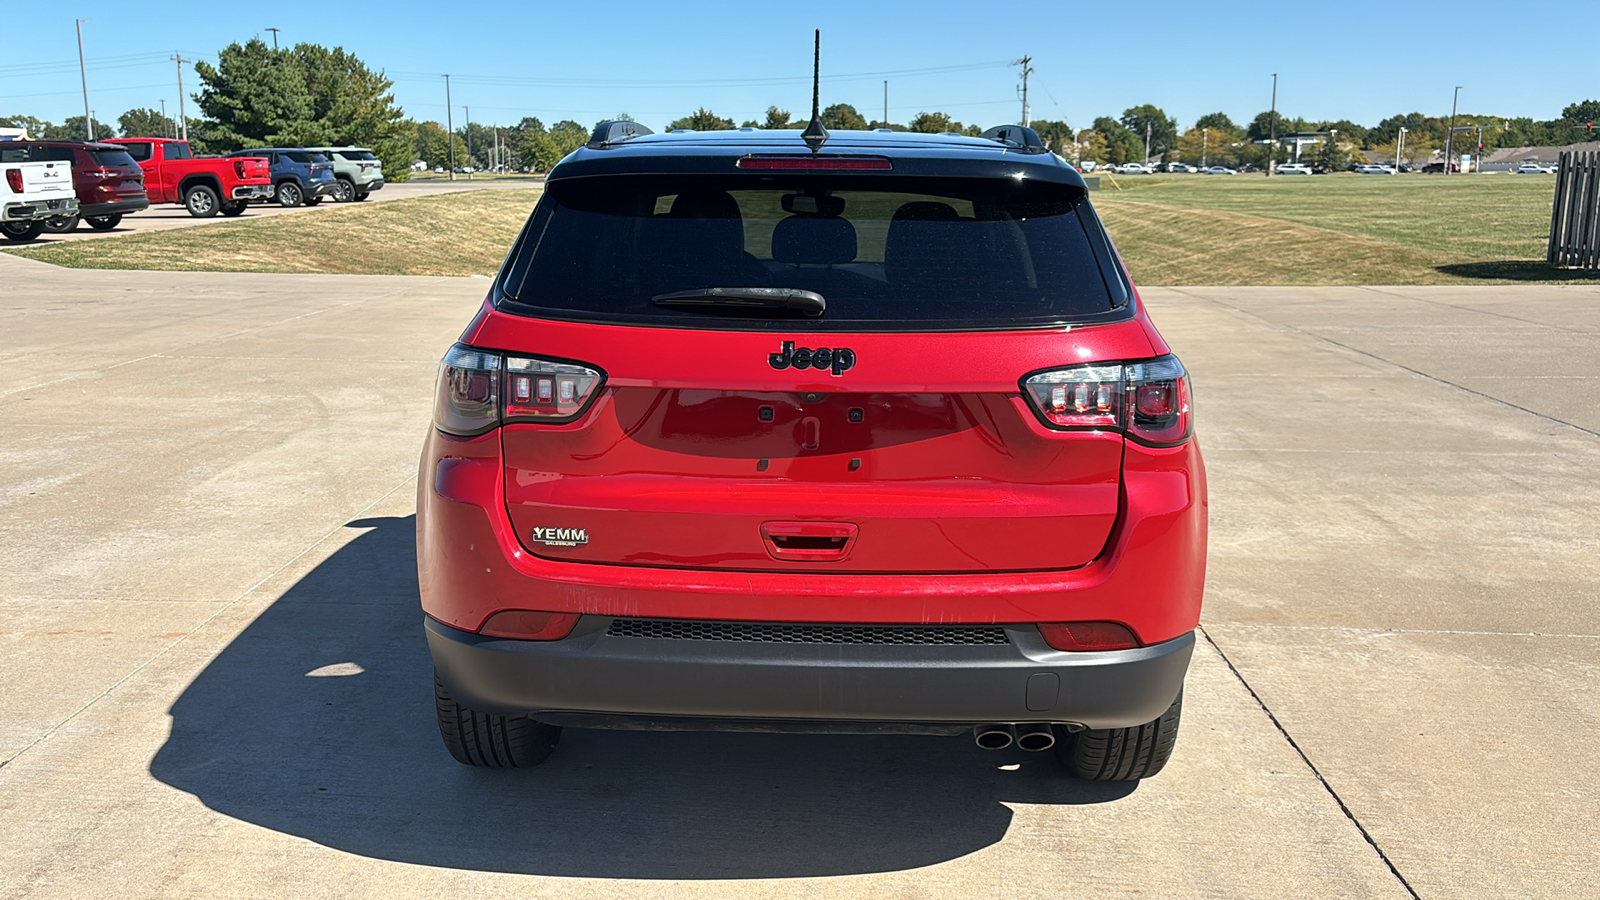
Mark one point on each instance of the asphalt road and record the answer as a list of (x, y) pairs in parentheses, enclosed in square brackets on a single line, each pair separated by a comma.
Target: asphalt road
[(165, 216), (215, 682)]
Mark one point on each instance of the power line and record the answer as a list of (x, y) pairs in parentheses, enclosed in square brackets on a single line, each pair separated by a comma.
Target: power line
[(514, 80)]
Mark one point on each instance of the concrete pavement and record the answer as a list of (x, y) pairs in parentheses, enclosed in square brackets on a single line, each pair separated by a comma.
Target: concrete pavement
[(216, 686)]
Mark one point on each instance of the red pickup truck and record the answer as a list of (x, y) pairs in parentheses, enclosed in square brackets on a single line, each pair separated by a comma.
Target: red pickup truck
[(204, 185)]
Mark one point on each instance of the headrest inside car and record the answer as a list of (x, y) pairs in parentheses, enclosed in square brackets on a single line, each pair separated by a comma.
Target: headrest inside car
[(814, 240)]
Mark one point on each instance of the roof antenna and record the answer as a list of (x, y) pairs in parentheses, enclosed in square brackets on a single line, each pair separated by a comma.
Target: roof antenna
[(815, 135)]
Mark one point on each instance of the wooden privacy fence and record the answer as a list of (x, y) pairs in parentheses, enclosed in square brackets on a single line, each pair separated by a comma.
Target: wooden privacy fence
[(1575, 219)]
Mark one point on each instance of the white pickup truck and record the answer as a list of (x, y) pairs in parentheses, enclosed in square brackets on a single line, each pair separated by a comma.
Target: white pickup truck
[(33, 193)]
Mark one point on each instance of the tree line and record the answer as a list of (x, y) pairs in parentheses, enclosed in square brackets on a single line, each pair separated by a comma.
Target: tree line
[(309, 95)]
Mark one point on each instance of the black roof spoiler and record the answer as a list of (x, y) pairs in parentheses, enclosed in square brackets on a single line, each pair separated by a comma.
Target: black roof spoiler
[(615, 132), (1019, 136)]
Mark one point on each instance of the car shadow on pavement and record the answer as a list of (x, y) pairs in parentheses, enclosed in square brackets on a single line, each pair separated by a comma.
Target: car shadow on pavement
[(317, 721)]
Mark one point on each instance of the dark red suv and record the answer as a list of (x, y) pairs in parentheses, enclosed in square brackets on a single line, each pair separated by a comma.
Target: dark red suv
[(875, 436), (108, 182)]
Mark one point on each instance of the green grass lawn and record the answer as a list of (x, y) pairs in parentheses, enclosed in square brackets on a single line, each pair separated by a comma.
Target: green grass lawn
[(1331, 229), (1171, 229)]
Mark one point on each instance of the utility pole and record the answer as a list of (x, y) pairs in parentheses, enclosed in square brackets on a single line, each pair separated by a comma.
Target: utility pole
[(886, 103), (1272, 148), (450, 129), (1205, 145), (1452, 132), (164, 113), (183, 120), (1146, 142), (274, 39), (88, 117), (1399, 147), (1026, 71), (468, 111)]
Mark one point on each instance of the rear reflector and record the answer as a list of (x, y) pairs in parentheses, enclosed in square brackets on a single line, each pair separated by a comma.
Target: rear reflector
[(793, 163), (529, 625), (1088, 636)]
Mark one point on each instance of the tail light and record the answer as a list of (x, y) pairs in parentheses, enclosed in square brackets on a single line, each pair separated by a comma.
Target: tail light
[(1147, 400), (239, 168), (1086, 636), (14, 178), (478, 391), (541, 389)]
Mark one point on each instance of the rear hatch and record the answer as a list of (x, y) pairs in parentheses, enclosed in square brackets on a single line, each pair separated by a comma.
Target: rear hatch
[(888, 434), (47, 180), (114, 175)]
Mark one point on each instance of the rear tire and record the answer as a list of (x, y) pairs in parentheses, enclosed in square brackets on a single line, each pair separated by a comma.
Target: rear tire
[(344, 191), (201, 201), (104, 223), (1121, 754), (61, 225), (490, 740), (22, 232), (313, 201), (361, 195), (234, 208), (290, 195)]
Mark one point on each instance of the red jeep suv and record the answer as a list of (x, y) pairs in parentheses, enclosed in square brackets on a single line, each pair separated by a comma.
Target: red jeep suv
[(868, 434)]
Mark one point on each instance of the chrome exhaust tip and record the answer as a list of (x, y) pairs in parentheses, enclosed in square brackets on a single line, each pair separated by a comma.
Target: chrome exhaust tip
[(994, 737), (1034, 738)]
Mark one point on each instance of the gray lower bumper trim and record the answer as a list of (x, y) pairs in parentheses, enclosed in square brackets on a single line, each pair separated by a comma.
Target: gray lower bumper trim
[(591, 672)]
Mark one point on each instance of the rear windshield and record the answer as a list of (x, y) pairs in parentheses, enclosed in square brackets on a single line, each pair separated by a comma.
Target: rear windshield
[(304, 156), (35, 153), (886, 253), (362, 155), (139, 152), (112, 159)]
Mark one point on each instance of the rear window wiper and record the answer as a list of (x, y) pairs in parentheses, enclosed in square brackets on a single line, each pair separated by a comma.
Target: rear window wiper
[(809, 303)]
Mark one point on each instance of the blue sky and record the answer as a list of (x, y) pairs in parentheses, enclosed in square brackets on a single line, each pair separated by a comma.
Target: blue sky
[(658, 61)]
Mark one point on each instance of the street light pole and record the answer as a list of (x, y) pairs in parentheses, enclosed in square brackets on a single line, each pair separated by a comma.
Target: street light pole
[(1399, 147), (274, 39), (183, 120), (88, 117), (450, 129), (1272, 148), (1205, 145), (1450, 135)]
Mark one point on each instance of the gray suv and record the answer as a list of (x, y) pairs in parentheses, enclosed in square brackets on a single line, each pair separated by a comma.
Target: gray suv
[(358, 170)]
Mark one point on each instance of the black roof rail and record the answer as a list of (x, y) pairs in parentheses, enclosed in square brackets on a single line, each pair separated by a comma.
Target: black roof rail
[(615, 132), (1019, 136)]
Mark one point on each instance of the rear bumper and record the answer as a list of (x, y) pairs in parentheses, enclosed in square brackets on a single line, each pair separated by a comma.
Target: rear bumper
[(114, 208), (252, 191), (322, 188), (600, 675), (28, 210)]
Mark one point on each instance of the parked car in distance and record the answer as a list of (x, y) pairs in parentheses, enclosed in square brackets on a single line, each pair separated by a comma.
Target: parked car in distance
[(359, 171), (1373, 169), (1134, 168), (814, 566), (299, 177), (1293, 169), (1219, 170), (204, 185), (1437, 168), (33, 193), (1533, 167), (1179, 168), (109, 184)]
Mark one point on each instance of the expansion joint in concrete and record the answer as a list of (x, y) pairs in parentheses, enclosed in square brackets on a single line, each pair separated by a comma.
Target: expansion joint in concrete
[(1289, 739)]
